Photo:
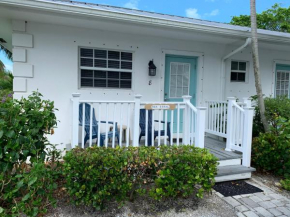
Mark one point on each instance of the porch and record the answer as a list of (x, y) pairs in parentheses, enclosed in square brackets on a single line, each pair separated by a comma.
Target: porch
[(222, 127)]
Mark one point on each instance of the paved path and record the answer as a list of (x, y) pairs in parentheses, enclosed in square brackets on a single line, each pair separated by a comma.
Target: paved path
[(265, 204)]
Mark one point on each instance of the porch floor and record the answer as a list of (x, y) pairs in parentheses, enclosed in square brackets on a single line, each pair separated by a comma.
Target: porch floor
[(217, 148)]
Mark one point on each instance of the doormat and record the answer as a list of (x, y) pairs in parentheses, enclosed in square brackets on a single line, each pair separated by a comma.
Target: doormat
[(234, 188)]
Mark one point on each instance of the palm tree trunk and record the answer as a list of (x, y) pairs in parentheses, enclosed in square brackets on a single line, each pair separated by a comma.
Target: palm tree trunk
[(257, 74)]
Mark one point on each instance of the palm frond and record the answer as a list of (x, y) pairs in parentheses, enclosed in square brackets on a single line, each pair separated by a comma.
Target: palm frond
[(7, 52)]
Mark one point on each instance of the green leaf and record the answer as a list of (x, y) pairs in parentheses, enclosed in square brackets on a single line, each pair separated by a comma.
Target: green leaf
[(10, 133), (26, 197), (1, 210), (1, 133), (32, 181)]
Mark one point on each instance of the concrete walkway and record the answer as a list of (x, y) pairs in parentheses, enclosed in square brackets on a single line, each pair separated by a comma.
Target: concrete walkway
[(265, 204)]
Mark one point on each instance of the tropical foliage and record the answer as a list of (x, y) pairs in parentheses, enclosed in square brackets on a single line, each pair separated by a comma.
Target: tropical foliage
[(119, 173), (276, 18), (24, 126)]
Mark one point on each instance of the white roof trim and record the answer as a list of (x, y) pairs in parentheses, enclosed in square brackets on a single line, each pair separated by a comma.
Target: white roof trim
[(137, 16)]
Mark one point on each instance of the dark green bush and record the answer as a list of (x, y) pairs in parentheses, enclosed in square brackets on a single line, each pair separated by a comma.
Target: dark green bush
[(96, 175), (279, 106), (286, 184), (271, 150), (24, 124)]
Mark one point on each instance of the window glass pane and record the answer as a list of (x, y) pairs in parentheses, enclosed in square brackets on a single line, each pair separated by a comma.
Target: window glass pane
[(87, 73), (234, 65), (115, 55), (114, 64), (126, 56), (126, 65), (234, 76), (100, 83), (101, 54), (113, 83), (242, 77), (86, 52), (126, 75), (242, 66), (87, 62), (86, 82), (101, 63), (125, 83), (282, 83), (100, 74), (113, 75), (179, 79)]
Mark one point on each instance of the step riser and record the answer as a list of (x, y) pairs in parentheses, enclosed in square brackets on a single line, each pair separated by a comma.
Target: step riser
[(230, 162), (233, 177)]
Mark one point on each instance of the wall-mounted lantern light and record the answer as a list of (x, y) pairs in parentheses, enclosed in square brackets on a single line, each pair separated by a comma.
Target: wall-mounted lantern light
[(152, 68)]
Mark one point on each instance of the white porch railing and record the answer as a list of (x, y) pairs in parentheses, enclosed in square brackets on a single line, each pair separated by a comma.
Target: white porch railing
[(234, 121), (105, 121)]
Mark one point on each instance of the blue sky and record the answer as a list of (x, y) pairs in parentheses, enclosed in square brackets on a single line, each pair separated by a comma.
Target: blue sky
[(214, 10)]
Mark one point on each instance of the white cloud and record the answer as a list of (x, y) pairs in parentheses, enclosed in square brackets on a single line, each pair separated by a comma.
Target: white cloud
[(213, 13), (9, 67), (192, 13), (133, 4)]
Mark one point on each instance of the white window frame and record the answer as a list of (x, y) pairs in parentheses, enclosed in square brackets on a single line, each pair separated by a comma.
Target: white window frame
[(176, 80), (240, 71), (283, 71), (105, 69)]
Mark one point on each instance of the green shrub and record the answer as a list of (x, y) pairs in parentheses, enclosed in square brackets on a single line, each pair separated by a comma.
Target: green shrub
[(286, 184), (24, 125), (274, 107), (271, 150), (97, 175), (6, 83)]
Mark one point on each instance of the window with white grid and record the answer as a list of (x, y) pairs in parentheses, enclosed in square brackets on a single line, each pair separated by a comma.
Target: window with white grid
[(238, 71), (105, 68), (179, 79), (282, 83)]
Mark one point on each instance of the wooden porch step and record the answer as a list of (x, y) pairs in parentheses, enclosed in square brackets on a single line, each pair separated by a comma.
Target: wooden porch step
[(233, 172)]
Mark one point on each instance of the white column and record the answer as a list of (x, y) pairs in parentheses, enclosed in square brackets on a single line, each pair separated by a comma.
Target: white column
[(231, 100), (247, 136), (186, 121), (247, 102), (136, 120), (75, 120), (200, 127)]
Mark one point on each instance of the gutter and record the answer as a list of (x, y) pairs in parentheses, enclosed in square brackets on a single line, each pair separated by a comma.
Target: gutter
[(138, 19), (223, 72)]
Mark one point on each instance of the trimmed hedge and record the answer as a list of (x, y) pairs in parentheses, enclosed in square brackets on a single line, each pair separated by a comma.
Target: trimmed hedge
[(97, 175)]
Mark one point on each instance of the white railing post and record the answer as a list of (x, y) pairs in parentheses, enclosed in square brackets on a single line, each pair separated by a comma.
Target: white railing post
[(136, 120), (230, 119), (186, 121), (247, 102), (75, 119), (200, 127), (247, 136)]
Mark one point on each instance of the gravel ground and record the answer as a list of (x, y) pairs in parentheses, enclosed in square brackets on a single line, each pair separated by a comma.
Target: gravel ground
[(209, 206), (270, 181)]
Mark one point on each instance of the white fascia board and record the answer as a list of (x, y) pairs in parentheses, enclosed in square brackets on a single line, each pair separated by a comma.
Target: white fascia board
[(83, 11)]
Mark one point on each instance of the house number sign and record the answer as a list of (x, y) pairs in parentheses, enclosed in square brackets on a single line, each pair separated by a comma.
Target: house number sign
[(160, 107)]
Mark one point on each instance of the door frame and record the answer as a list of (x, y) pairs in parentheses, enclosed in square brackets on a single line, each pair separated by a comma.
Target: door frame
[(199, 71)]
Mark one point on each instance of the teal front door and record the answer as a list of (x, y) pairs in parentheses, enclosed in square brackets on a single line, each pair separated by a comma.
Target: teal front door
[(180, 80)]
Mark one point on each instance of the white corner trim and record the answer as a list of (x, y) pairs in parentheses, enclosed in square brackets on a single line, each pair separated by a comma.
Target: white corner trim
[(22, 70), (18, 25)]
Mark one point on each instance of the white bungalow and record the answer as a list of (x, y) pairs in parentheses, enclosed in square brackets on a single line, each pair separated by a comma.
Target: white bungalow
[(76, 53)]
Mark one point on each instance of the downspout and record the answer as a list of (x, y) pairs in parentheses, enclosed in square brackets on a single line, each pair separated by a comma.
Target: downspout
[(223, 73)]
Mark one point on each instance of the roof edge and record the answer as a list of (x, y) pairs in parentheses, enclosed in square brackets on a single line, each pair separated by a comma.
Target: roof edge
[(83, 11)]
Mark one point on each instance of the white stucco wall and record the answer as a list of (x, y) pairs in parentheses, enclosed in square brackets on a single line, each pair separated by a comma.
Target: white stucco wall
[(54, 60)]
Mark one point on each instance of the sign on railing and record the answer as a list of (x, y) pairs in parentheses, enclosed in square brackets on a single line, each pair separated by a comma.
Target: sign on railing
[(160, 106)]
